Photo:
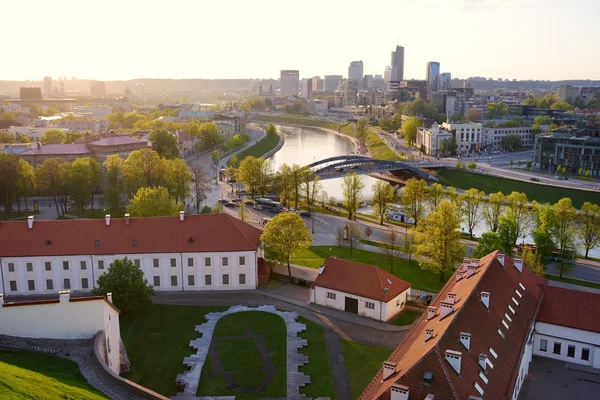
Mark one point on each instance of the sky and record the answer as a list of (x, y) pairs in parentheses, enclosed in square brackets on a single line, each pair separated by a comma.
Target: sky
[(126, 39)]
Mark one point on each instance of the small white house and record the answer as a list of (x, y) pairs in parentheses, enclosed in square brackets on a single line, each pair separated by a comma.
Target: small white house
[(358, 288)]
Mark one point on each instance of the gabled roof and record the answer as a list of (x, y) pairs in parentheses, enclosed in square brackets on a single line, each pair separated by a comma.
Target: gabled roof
[(570, 308), (415, 356), (197, 233), (360, 279)]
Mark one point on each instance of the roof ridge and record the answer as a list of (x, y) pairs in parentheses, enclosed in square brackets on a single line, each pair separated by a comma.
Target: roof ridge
[(233, 221), (444, 368)]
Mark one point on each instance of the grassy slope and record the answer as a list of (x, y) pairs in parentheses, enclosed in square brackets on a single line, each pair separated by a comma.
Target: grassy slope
[(404, 269), (379, 150), (263, 146), (489, 184), (321, 380), (26, 375), (406, 317), (362, 363)]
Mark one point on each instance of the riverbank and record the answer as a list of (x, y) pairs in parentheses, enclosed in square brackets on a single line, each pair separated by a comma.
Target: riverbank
[(265, 147)]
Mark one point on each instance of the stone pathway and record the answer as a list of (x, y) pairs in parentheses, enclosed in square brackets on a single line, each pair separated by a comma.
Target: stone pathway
[(295, 379)]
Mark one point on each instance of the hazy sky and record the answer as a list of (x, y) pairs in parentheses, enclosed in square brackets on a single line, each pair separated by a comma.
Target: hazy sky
[(125, 39)]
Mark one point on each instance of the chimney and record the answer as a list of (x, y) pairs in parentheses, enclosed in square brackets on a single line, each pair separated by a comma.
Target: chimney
[(109, 297), (451, 298), (126, 219), (445, 309), (485, 299), (64, 296), (30, 222), (431, 312), (459, 275), (465, 339), (429, 397), (501, 258), (428, 333), (453, 358), (1, 298), (107, 218), (519, 264), (181, 216), (483, 361), (398, 392), (470, 270), (389, 369)]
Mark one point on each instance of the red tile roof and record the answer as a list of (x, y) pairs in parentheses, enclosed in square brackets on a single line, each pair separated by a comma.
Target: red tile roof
[(58, 149), (570, 308), (414, 356), (198, 233), (360, 279)]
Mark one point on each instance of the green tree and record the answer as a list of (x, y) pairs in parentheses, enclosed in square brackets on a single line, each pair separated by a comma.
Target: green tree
[(563, 231), (471, 165), (152, 202), (532, 262), (383, 196), (543, 219), (144, 168), (458, 165), (493, 210), (435, 195), (528, 164), (495, 110), (250, 172), (511, 142), (409, 130), (84, 178), (518, 203), (7, 116), (130, 291), (589, 226), (26, 184), (114, 185), (165, 143), (472, 200), (209, 132), (488, 243), (9, 176), (474, 115), (438, 240), (6, 137), (562, 105), (352, 187), (362, 125), (457, 117), (413, 198), (179, 179), (508, 231), (73, 136), (271, 130), (53, 136), (52, 177), (283, 236)]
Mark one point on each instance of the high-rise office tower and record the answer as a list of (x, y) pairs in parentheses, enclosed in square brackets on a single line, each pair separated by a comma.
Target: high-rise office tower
[(445, 81), (307, 88), (290, 82), (433, 74), (355, 71), (332, 82), (398, 63), (318, 84), (47, 85)]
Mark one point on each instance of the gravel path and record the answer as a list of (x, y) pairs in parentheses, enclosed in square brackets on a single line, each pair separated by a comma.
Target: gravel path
[(341, 382)]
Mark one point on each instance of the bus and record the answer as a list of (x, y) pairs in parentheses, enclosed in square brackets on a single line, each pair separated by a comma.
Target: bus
[(270, 204)]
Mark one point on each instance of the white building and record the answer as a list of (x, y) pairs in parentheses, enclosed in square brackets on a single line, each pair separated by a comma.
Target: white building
[(321, 106), (492, 137), (432, 138), (355, 72), (360, 289), (467, 134), (185, 253), (93, 111), (290, 82)]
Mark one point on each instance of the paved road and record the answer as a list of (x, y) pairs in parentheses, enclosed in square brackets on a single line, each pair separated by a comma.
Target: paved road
[(585, 272)]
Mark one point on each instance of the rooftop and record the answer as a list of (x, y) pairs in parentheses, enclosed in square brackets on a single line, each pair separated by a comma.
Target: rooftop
[(59, 149), (570, 308), (117, 140)]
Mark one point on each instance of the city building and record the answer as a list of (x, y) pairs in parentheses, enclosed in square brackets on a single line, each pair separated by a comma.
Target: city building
[(388, 77), (318, 84), (290, 82), (431, 139), (306, 91), (398, 64), (30, 93), (193, 253), (93, 111), (432, 75), (97, 89), (48, 86), (570, 93), (355, 72), (332, 82), (94, 126), (367, 82), (370, 97), (492, 137), (445, 81), (361, 289), (467, 135), (321, 106), (186, 143), (347, 95), (378, 82)]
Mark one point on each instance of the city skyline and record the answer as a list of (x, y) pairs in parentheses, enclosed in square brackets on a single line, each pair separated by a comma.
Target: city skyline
[(130, 40)]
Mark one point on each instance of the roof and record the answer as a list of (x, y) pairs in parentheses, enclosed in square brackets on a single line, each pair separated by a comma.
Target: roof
[(58, 149), (4, 124), (197, 233), (570, 308), (57, 301), (117, 140), (360, 279), (415, 355)]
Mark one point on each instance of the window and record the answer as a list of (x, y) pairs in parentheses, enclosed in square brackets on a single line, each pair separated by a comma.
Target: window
[(31, 284), (207, 261), (331, 295), (571, 351), (29, 267), (173, 262), (543, 345), (173, 280), (65, 265), (207, 280), (224, 261), (521, 286), (11, 267), (48, 266), (13, 286), (135, 242), (483, 377), (479, 389), (505, 324), (242, 279), (242, 260), (100, 264), (585, 354), (97, 243), (66, 283), (49, 284), (493, 353), (501, 333), (84, 283), (515, 301), (507, 317), (370, 305), (190, 262), (190, 280), (225, 279), (136, 262), (82, 265), (556, 348), (157, 281), (155, 262), (518, 293), (511, 309)]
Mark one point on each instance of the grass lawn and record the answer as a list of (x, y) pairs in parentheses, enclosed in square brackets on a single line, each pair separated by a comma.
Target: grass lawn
[(406, 317), (489, 184), (264, 145), (321, 381), (362, 363), (17, 214), (379, 150), (573, 281), (404, 269), (25, 375), (297, 120)]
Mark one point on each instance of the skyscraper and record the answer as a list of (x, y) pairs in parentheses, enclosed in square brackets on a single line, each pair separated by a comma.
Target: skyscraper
[(445, 81), (398, 63), (290, 82), (433, 73), (355, 71), (307, 88), (47, 85), (332, 82)]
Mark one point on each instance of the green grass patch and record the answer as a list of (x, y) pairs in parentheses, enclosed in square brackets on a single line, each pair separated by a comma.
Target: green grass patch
[(362, 363), (404, 269), (489, 184), (573, 281), (13, 214), (321, 380), (262, 147), (297, 120), (25, 375), (378, 148), (406, 317)]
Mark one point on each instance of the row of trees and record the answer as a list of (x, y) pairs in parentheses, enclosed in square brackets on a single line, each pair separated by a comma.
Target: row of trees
[(51, 136)]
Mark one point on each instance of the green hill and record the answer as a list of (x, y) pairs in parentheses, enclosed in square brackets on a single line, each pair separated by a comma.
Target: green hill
[(26, 375)]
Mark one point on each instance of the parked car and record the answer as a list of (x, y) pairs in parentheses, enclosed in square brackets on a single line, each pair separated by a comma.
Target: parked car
[(249, 202), (230, 204), (223, 201), (290, 210), (534, 179), (258, 207), (237, 200), (305, 214)]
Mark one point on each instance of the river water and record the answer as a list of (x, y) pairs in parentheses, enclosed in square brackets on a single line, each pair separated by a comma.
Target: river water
[(306, 145)]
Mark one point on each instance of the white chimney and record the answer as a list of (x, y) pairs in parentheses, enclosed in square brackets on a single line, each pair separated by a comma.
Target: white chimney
[(453, 358), (126, 219), (389, 369), (109, 297), (501, 258), (485, 299), (1, 298), (470, 270), (519, 264), (445, 309), (398, 392), (428, 333), (429, 397), (30, 222), (459, 275), (483, 361), (64, 296), (181, 216), (465, 339), (431, 312), (451, 298), (107, 218)]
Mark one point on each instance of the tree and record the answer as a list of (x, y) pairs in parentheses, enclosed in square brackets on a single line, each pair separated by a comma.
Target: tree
[(413, 198), (242, 212), (6, 137), (517, 202), (165, 143), (200, 186), (209, 133), (284, 182), (457, 117), (310, 184), (362, 125), (52, 177), (26, 183), (508, 231), (562, 105), (53, 136), (392, 249), (7, 116), (474, 115), (84, 177), (179, 178), (435, 195), (383, 196), (495, 110), (438, 239), (130, 291), (543, 220), (271, 130), (408, 246), (528, 164), (563, 231), (351, 188), (73, 136), (471, 165), (448, 146), (9, 175), (493, 209), (458, 165), (250, 173), (368, 232), (114, 185), (152, 202), (589, 226), (350, 236), (283, 236), (488, 243), (409, 130), (532, 262), (385, 123), (144, 168), (511, 142), (472, 200)]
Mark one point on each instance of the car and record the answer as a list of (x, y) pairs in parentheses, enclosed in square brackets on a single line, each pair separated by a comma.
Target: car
[(534, 179), (305, 214), (249, 202), (561, 178), (236, 200), (223, 201), (230, 204), (290, 210), (257, 207)]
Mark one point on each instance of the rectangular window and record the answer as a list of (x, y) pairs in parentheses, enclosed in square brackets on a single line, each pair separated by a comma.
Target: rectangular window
[(173, 262), (157, 281), (82, 265), (505, 324), (207, 280), (207, 261), (155, 262), (511, 309), (224, 261), (173, 280), (501, 333), (66, 283), (13, 286), (483, 377), (515, 301), (65, 265), (543, 345), (84, 283), (493, 353), (556, 348), (521, 286), (100, 264), (136, 262), (190, 262), (242, 279), (585, 354), (242, 260), (518, 293), (479, 389), (370, 305), (31, 284), (225, 279), (571, 351), (29, 267), (331, 295), (48, 266), (49, 284), (11, 267), (191, 280)]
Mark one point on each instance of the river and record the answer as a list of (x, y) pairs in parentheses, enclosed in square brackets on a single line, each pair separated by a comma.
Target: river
[(305, 145)]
